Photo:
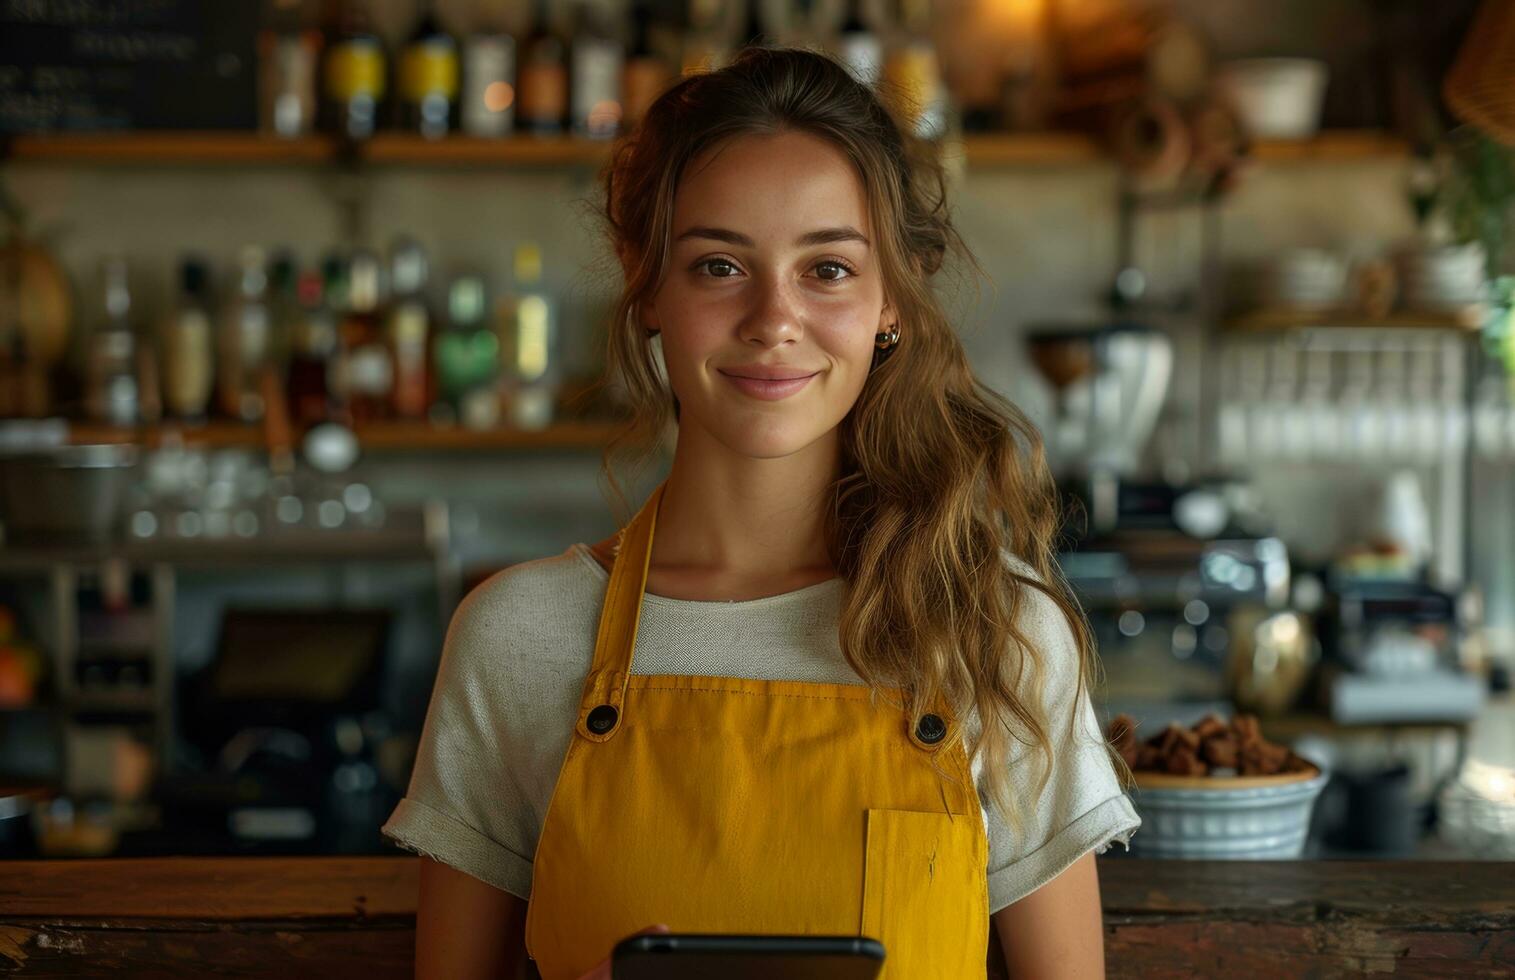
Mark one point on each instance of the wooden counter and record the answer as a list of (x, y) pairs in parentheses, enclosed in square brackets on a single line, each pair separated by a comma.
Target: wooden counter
[(336, 917)]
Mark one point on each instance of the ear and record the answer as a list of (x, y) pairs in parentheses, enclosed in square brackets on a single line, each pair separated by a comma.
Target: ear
[(647, 318), (888, 317)]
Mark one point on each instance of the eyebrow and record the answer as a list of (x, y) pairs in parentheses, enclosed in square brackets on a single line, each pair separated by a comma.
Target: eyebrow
[(821, 236)]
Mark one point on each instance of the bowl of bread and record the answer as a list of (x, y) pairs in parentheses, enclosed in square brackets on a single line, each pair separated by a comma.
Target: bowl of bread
[(1217, 790)]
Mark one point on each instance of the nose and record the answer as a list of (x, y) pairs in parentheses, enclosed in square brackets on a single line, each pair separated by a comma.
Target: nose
[(774, 316)]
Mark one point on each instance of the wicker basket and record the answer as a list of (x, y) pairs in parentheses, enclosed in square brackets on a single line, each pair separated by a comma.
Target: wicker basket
[(1479, 88)]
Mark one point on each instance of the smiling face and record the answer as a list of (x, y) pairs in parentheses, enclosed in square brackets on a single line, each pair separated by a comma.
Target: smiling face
[(772, 296)]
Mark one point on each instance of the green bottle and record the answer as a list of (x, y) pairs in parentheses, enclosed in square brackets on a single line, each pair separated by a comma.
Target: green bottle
[(467, 355)]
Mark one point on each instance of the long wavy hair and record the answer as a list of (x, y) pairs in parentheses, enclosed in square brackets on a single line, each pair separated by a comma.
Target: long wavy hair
[(941, 479)]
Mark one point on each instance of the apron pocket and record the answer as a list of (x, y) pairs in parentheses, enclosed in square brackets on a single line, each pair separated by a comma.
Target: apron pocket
[(925, 894)]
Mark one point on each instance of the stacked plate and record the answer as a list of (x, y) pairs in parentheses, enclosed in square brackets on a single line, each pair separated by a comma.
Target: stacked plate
[(1442, 278), (1304, 279)]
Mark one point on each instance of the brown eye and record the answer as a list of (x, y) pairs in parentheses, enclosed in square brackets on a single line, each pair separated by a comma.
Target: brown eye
[(710, 262), (836, 265)]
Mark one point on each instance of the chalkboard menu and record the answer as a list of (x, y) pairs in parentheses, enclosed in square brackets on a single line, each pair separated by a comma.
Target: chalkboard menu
[(127, 64)]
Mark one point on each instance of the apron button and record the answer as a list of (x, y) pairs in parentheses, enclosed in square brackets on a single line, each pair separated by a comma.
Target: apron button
[(602, 719), (930, 729)]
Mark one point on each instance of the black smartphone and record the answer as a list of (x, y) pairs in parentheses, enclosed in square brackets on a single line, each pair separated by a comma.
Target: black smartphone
[(671, 956)]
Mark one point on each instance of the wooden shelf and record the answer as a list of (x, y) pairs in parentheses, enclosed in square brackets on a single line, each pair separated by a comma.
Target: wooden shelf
[(419, 435), (991, 150), (1060, 148), (471, 151), (170, 148), (406, 536), (1268, 321), (1332, 145), (986, 151), (220, 435), (235, 148), (389, 436)]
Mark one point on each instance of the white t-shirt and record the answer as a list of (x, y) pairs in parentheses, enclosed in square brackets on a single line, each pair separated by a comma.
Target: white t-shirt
[(512, 672)]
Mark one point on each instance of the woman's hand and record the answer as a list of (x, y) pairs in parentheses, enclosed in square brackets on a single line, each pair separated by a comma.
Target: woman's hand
[(601, 970)]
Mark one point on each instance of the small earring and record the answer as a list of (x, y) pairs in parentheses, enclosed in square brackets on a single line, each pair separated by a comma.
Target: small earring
[(883, 341), (646, 330)]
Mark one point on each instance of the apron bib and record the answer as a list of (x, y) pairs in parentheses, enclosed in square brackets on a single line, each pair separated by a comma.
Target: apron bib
[(731, 805)]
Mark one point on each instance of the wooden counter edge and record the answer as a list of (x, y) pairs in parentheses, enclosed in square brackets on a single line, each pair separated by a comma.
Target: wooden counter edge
[(355, 916), (1404, 893)]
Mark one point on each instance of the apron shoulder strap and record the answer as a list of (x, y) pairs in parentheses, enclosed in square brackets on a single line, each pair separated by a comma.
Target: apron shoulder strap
[(615, 643)]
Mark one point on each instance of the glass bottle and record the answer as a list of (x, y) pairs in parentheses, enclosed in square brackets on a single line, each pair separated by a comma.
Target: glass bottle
[(913, 72), (288, 52), (646, 75), (243, 344), (468, 355), (526, 318), (284, 309), (188, 345), (707, 27), (858, 46), (354, 73), (313, 344), (595, 83), (364, 375), (111, 391), (408, 324), (489, 81), (543, 93), (428, 86), (754, 34)]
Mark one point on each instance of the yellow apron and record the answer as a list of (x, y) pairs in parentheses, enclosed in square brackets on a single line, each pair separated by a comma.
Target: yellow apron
[(731, 805)]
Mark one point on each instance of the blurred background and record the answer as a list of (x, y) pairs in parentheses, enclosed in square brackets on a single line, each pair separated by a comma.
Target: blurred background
[(302, 305)]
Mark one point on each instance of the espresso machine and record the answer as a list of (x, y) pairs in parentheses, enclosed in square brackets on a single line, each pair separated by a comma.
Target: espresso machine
[(1165, 571), (1395, 652)]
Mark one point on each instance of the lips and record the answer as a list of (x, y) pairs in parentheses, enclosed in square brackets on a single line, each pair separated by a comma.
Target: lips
[(770, 384), (759, 372)]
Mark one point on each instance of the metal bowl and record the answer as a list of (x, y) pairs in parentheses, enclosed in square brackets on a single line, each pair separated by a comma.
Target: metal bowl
[(1243, 818), (67, 494)]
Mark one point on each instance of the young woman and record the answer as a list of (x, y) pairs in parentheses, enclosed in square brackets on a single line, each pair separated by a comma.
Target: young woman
[(757, 708)]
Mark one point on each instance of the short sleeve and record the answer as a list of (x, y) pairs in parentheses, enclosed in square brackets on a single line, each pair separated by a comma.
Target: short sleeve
[(462, 807), (1083, 807)]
